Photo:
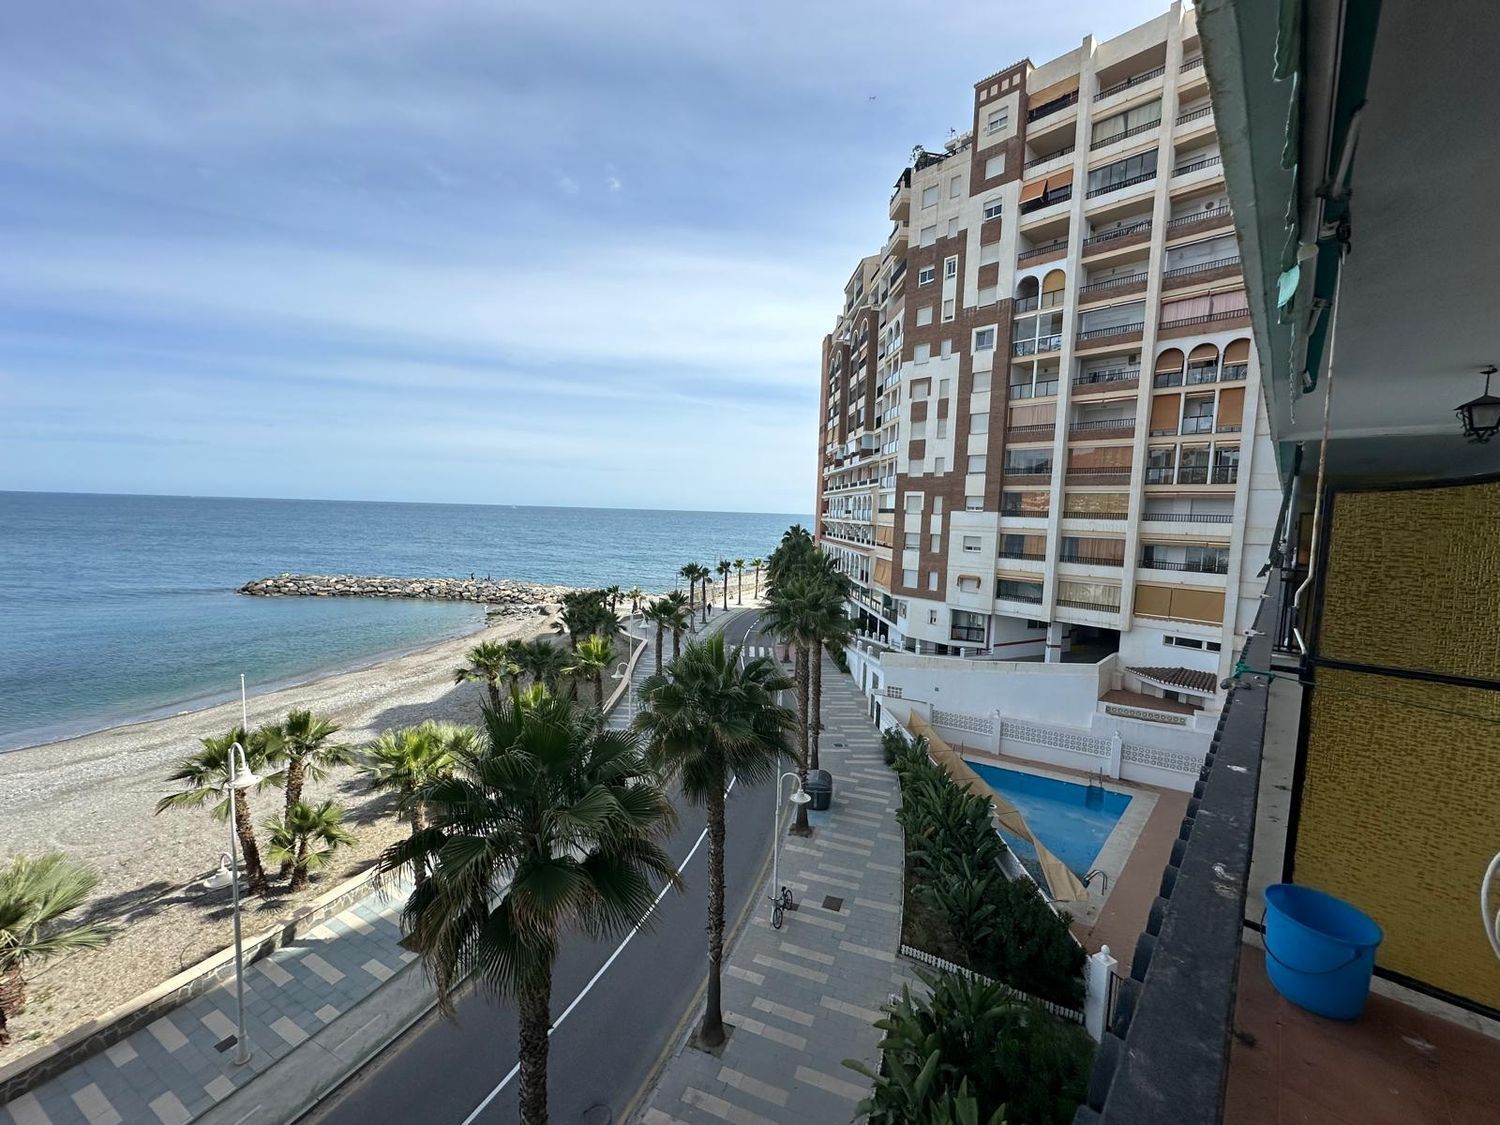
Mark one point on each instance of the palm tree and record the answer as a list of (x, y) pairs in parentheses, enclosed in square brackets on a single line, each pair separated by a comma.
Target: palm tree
[(690, 572), (659, 612), (679, 621), (404, 761), (757, 563), (795, 547), (636, 596), (789, 616), (829, 627), (300, 744), (551, 823), (487, 661), (592, 659), (205, 777), (544, 662), (305, 838), (34, 895), (707, 580), (613, 594), (707, 720), (724, 568), (739, 589)]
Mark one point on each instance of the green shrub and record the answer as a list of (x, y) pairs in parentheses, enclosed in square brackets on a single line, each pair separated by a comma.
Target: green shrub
[(973, 1053)]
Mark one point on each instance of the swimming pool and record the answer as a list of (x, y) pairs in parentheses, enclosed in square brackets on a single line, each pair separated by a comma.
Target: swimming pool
[(1071, 819)]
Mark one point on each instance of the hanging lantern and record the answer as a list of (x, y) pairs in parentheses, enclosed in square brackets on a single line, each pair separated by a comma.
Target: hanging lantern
[(1481, 416)]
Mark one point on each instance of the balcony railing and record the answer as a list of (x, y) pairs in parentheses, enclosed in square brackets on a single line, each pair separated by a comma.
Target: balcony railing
[(1134, 80), (1164, 431), (1197, 165), (1049, 300), (1202, 566), (1028, 476), (1025, 556), (1044, 389), (1025, 513), (1103, 425), (1017, 596), (1098, 476), (1110, 283), (1056, 105), (1190, 64), (1206, 318), (1074, 603), (1121, 185), (1051, 156), (1140, 226), (1200, 424), (1089, 560), (1047, 199), (1226, 474), (1234, 372), (1114, 330), (1228, 428), (1188, 517), (1199, 373), (1120, 136), (1156, 475), (1043, 251), (966, 633), (1112, 375), (1217, 216), (1195, 114), (1167, 379), (1191, 474), (1079, 514), (1026, 433), (1201, 267)]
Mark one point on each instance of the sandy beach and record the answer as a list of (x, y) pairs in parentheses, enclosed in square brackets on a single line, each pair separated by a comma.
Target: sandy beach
[(94, 798)]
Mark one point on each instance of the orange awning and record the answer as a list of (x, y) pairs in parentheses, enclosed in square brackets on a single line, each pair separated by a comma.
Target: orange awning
[(1059, 180), (1034, 190)]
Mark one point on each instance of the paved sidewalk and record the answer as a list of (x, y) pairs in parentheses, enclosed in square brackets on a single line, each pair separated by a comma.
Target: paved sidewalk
[(804, 998)]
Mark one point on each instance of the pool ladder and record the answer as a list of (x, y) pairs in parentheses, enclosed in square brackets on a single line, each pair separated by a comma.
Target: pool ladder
[(1095, 785)]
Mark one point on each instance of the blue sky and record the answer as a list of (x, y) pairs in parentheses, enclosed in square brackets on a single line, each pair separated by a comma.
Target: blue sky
[(518, 252)]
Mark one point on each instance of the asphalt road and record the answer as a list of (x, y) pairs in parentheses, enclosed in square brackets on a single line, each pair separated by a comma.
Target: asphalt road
[(626, 1013)]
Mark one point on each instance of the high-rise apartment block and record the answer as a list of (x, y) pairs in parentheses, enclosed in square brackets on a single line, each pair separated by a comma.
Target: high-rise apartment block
[(1041, 432)]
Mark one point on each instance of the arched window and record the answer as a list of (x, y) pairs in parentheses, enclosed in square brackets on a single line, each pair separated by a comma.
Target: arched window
[(1026, 294), (1168, 372), (1052, 289), (1236, 360), (1203, 364)]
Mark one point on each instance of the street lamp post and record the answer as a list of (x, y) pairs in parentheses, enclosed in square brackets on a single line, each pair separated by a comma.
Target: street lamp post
[(623, 671), (798, 796), (240, 778)]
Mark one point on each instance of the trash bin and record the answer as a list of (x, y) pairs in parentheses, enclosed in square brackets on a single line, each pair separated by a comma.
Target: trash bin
[(819, 787)]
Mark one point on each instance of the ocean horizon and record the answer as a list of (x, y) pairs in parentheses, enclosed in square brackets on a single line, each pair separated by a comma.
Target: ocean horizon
[(118, 608)]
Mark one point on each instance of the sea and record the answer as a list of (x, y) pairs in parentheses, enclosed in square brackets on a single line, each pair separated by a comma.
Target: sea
[(116, 609)]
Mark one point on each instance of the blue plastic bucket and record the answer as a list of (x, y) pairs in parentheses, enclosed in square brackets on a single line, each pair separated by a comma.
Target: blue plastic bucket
[(1320, 951)]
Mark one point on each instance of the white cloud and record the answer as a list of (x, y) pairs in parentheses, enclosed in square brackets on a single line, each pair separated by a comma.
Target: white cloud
[(568, 185)]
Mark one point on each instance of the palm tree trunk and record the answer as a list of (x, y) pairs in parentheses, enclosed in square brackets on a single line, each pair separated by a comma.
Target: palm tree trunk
[(726, 593), (295, 768), (801, 827), (245, 829), (659, 632), (599, 690), (815, 715), (535, 1016), (418, 822), (711, 1033), (12, 998), (676, 643), (739, 590), (494, 687), (757, 582), (299, 869)]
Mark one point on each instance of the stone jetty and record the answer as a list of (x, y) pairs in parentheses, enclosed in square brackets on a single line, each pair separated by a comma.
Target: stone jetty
[(504, 596)]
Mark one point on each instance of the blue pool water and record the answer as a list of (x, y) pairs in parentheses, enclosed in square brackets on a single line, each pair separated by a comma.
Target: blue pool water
[(1072, 820)]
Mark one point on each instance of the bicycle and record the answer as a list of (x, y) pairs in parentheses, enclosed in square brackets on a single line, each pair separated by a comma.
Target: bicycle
[(780, 904)]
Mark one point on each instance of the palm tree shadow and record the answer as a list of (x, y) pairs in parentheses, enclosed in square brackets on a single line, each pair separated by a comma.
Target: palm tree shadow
[(361, 808), (461, 703), (136, 903)]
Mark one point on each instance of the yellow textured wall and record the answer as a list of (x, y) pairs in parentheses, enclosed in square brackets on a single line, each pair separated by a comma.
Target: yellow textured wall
[(1400, 804)]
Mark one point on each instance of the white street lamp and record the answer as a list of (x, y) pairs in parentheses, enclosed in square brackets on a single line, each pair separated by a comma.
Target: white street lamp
[(241, 777), (781, 897), (623, 672)]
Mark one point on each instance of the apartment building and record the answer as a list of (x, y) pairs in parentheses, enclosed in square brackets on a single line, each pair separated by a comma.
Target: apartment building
[(1042, 436)]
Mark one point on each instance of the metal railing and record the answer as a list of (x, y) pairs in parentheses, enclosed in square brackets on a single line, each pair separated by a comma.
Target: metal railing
[(1216, 216), (1047, 199), (966, 633), (1121, 185), (1042, 251), (1115, 330), (1103, 425), (1206, 318), (1056, 105), (1025, 514), (1076, 603), (1159, 476), (1025, 556), (1133, 80), (1120, 136), (1198, 424), (1194, 114), (1027, 476), (1201, 267), (1089, 560), (1024, 433), (1188, 517), (1079, 514), (1198, 165), (1190, 64), (1028, 597), (1224, 475), (1040, 160), (1234, 372), (1044, 389), (1112, 375), (1140, 226), (1112, 283), (1203, 566), (1099, 476)]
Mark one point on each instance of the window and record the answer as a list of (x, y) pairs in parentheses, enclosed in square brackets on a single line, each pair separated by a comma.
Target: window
[(973, 503), (932, 579), (942, 428), (918, 430), (939, 465), (952, 226), (932, 617), (908, 578), (924, 316), (998, 119), (992, 208), (955, 187), (934, 543), (912, 541), (981, 383), (989, 253), (1132, 121), (921, 388), (984, 340), (979, 423), (946, 348), (977, 463), (937, 505), (930, 196), (921, 353), (971, 544), (1182, 642), (994, 166), (948, 309), (950, 266), (926, 275), (913, 501), (942, 388), (1018, 591), (929, 234), (1121, 171)]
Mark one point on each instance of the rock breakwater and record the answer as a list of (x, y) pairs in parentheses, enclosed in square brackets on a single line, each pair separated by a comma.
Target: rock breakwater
[(504, 596)]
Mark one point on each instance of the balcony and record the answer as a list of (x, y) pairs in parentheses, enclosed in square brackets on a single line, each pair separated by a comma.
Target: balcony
[(1048, 159), (1130, 83), (1113, 286), (1031, 475), (1201, 424), (1131, 234), (1050, 250), (1056, 105), (1113, 334), (1103, 427), (1089, 560), (1123, 135), (1234, 372), (1184, 517), (1047, 199), (1114, 379), (1199, 114), (1043, 389), (1024, 556), (1206, 318), (1075, 603), (1199, 222), (1226, 474), (1027, 597), (1197, 165), (1043, 432), (1202, 271), (1099, 476), (1121, 185), (1211, 565), (1043, 300)]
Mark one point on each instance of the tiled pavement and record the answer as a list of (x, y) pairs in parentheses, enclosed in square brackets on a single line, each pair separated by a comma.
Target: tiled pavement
[(803, 998), (173, 1070)]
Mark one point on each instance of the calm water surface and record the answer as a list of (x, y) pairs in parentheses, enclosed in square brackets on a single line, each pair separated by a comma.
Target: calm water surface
[(115, 608)]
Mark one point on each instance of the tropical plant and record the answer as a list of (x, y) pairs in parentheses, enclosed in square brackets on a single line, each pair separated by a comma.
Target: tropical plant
[(828, 627), (795, 547), (757, 563), (788, 616), (592, 660), (659, 612), (971, 1050), (305, 838), (204, 777), (680, 621), (739, 588), (489, 662), (709, 719), (725, 568), (613, 594), (300, 746), (550, 824), (35, 894), (636, 596), (544, 662), (404, 761), (585, 612), (689, 571)]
